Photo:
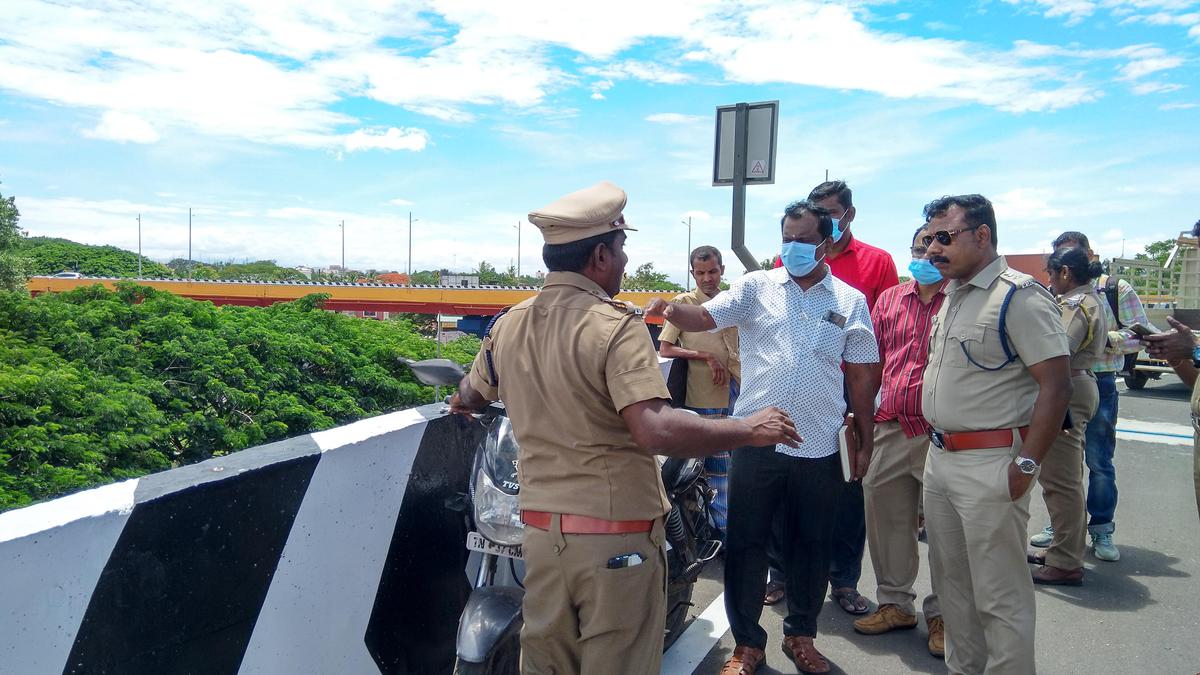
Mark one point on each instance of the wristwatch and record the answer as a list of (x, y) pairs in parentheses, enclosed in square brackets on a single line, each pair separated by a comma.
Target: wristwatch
[(1026, 465), (1196, 356)]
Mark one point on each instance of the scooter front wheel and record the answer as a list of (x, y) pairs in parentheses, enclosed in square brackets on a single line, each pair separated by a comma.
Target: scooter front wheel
[(505, 659)]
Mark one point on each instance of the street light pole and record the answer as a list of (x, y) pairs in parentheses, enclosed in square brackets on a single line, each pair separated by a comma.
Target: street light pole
[(411, 220), (518, 250), (687, 274), (190, 243), (343, 226), (139, 246)]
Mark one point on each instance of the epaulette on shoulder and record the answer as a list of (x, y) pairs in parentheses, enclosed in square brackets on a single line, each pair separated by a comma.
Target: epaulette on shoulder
[(625, 307), (619, 305), (1018, 279), (1074, 301)]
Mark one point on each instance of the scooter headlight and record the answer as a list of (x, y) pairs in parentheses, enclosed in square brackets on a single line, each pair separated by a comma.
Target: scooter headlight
[(497, 515)]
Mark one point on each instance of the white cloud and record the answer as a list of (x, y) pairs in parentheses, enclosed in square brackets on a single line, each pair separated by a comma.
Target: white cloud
[(675, 118), (1026, 204), (1178, 106), (123, 127), (1155, 88), (392, 139), (442, 112), (400, 202), (1146, 65), (283, 74)]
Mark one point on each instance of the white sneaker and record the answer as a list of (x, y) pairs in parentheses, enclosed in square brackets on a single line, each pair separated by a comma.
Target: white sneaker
[(1103, 547), (1042, 539)]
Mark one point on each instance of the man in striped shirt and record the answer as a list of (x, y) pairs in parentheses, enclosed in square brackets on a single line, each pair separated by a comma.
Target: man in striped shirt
[(902, 317)]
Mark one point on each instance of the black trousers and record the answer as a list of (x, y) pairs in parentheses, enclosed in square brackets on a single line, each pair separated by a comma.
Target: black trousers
[(762, 482)]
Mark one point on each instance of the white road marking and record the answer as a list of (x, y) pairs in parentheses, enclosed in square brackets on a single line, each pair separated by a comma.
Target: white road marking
[(1153, 432), (699, 637)]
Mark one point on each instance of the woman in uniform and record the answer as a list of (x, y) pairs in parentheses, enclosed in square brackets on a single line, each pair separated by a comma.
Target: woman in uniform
[(1061, 477)]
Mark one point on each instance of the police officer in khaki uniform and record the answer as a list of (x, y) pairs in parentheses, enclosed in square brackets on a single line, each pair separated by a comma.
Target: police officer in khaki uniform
[(995, 392), (581, 384), (1061, 477)]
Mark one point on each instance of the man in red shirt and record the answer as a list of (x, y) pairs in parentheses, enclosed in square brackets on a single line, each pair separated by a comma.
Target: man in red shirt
[(902, 317), (870, 270)]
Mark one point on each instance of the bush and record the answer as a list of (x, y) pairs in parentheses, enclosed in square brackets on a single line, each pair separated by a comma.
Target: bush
[(100, 386)]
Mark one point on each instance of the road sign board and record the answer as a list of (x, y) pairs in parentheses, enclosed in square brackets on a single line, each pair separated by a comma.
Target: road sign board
[(761, 130)]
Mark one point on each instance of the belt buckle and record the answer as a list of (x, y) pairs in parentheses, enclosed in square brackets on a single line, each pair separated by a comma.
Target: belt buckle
[(937, 439)]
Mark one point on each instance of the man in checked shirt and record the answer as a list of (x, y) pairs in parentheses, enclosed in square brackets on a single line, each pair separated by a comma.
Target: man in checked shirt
[(893, 483)]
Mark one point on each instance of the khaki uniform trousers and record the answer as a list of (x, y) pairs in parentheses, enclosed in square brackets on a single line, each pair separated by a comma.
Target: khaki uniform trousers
[(1061, 478), (977, 548), (580, 616), (892, 488)]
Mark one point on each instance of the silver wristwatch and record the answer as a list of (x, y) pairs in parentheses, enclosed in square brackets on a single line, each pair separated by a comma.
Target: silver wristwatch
[(1026, 465)]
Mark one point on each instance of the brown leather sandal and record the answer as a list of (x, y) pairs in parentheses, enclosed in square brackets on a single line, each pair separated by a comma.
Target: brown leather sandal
[(802, 652), (745, 661)]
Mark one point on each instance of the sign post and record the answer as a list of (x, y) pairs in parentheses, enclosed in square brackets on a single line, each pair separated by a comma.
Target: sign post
[(745, 155)]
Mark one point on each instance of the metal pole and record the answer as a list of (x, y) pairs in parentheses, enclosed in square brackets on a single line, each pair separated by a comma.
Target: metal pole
[(189, 243), (518, 251), (741, 115), (687, 271), (437, 391), (139, 246), (343, 226), (410, 248)]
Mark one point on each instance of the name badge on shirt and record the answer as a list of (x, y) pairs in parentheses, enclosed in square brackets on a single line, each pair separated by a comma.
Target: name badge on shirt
[(835, 319)]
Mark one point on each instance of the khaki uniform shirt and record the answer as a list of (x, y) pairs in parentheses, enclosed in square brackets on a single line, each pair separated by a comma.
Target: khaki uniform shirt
[(1087, 329), (960, 396), (566, 362), (701, 392)]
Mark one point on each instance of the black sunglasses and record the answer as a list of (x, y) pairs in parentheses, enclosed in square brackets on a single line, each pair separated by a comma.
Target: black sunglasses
[(944, 237)]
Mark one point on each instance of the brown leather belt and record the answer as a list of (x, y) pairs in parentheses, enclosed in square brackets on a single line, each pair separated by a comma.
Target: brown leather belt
[(573, 524), (974, 440)]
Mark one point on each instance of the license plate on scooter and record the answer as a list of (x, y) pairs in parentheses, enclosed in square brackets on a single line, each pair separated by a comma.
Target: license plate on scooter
[(477, 542)]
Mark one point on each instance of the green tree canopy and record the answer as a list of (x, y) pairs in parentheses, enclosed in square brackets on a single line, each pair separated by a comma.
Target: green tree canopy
[(99, 386), (646, 279), (14, 265), (49, 255)]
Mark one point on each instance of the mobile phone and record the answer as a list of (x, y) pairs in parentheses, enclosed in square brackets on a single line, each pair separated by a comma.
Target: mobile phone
[(1140, 329), (627, 560)]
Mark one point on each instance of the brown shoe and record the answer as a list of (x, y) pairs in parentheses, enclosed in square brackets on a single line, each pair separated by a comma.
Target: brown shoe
[(1037, 556), (745, 661), (887, 618), (775, 592), (937, 637), (1057, 576), (802, 652)]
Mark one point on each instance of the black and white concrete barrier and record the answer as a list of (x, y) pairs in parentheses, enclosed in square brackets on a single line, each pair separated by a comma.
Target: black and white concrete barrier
[(333, 552)]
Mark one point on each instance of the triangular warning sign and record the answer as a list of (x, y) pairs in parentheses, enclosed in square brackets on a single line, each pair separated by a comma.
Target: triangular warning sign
[(758, 169)]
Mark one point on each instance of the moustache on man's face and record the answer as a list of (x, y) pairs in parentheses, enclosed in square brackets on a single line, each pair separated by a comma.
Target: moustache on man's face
[(939, 259)]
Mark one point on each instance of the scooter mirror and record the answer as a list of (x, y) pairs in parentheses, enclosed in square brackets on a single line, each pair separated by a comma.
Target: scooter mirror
[(436, 372)]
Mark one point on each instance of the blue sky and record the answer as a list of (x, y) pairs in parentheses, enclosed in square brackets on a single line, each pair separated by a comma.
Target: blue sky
[(275, 121)]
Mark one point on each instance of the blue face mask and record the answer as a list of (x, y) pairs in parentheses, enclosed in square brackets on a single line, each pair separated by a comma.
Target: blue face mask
[(924, 272), (799, 258), (837, 226)]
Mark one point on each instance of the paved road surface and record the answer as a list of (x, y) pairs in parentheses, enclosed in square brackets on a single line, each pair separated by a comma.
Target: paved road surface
[(1141, 614)]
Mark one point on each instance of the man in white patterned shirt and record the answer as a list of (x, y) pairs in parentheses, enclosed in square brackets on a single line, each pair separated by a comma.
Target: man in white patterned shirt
[(799, 326)]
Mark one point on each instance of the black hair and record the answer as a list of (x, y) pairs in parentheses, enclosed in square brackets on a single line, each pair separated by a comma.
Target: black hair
[(704, 253), (574, 256), (1076, 260), (1196, 229), (917, 233), (977, 210), (830, 188), (798, 208), (1077, 237)]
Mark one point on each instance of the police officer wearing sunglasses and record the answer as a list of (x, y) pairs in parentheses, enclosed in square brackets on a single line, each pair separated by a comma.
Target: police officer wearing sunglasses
[(995, 392)]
